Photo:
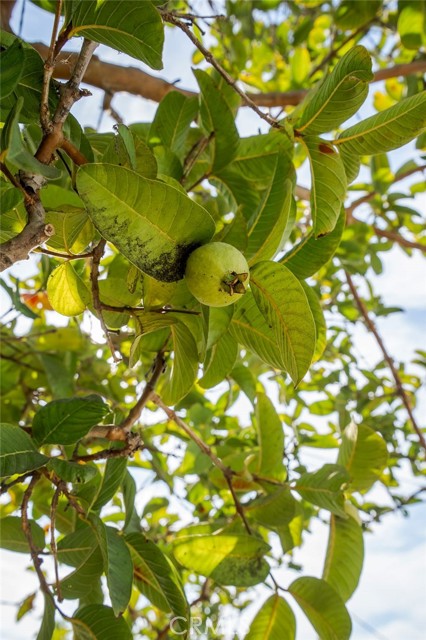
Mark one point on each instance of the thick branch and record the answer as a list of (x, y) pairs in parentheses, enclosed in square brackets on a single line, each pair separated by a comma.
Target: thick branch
[(32, 235), (398, 384), (115, 78)]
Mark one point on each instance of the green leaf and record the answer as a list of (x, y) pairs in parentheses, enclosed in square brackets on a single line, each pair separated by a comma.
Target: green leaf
[(245, 380), (228, 559), (185, 364), (66, 421), (310, 254), (172, 121), (130, 26), (128, 486), (153, 224), (18, 453), (323, 607), (13, 538), (274, 621), (219, 361), (118, 565), (273, 510), (11, 67), (389, 129), (268, 227), (364, 454), (345, 556), (30, 82), (156, 577), (47, 627), (270, 435), (71, 471), (328, 190), (98, 622), (338, 97), (67, 292), (73, 229), (324, 488), (17, 152), (83, 580), (412, 23), (115, 469), (318, 316), (249, 328), (217, 120), (283, 303), (76, 547)]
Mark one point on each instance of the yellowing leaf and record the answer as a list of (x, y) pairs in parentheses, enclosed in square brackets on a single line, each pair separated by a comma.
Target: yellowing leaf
[(66, 291)]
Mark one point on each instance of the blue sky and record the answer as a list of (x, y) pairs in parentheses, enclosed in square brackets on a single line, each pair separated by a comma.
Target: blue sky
[(390, 598)]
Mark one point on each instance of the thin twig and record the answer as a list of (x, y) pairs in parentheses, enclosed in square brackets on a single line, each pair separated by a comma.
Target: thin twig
[(135, 412), (26, 527), (399, 386), (15, 182), (141, 309), (169, 17), (49, 66), (97, 254), (66, 256), (75, 154), (204, 447), (53, 547)]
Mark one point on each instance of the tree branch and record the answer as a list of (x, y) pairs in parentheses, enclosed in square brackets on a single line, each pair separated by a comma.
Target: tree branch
[(115, 78), (398, 384)]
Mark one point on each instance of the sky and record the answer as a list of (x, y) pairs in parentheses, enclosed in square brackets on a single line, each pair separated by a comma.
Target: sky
[(389, 603)]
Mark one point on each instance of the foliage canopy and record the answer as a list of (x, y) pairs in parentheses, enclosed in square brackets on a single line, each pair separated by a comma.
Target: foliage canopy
[(110, 219)]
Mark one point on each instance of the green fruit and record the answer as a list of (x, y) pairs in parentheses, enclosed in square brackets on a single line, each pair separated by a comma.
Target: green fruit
[(217, 274)]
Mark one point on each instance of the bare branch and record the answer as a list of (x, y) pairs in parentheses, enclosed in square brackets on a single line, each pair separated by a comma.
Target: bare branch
[(135, 412), (49, 65), (115, 78), (398, 384)]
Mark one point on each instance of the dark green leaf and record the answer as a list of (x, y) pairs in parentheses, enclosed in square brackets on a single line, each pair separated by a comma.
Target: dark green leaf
[(273, 510), (18, 451), (154, 225), (11, 67), (130, 26), (117, 564), (71, 471), (12, 535), (66, 421), (219, 361), (172, 121), (17, 152), (47, 627), (156, 577), (115, 469), (98, 622)]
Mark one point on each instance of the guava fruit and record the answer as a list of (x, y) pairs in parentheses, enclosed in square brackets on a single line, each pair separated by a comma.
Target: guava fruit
[(217, 274)]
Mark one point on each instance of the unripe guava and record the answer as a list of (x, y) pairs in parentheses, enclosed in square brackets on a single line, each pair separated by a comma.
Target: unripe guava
[(217, 274)]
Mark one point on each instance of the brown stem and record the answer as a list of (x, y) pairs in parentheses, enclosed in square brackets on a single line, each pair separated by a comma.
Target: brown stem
[(66, 256), (398, 384), (26, 527), (204, 447), (169, 17), (135, 412), (35, 232), (53, 547), (49, 65), (97, 254), (76, 156)]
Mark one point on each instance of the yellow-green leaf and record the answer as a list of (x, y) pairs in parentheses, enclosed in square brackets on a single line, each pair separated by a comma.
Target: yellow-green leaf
[(66, 291)]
